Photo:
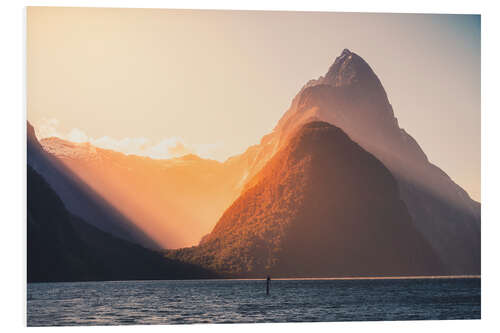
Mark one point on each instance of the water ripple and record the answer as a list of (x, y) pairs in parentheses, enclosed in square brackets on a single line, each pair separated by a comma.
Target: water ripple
[(245, 301)]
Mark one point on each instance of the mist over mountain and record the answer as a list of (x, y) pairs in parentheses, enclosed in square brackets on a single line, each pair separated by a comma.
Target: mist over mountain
[(79, 198), (321, 207), (63, 247), (174, 202), (351, 97)]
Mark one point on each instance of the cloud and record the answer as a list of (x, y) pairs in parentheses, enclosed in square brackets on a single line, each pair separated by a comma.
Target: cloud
[(125, 145), (175, 147), (77, 135), (47, 128), (165, 148)]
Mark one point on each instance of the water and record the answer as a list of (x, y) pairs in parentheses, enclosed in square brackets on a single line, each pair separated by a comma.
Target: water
[(245, 301)]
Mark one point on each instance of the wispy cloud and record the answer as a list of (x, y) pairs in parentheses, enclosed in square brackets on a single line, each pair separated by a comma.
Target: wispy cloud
[(167, 147), (47, 128)]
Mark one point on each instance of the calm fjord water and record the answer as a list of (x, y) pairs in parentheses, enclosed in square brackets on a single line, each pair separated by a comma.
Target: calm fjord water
[(245, 301)]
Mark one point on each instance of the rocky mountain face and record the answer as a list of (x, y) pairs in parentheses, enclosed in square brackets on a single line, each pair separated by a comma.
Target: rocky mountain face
[(321, 207), (63, 247), (352, 97)]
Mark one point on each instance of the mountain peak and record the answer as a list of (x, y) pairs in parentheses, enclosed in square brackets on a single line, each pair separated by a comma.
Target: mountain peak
[(349, 69), (346, 52)]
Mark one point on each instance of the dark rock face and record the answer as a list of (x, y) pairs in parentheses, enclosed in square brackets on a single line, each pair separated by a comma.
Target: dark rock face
[(63, 247), (53, 245), (321, 207)]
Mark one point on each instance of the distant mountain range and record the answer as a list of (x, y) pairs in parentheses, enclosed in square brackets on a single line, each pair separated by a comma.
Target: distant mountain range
[(169, 189), (337, 188), (78, 197)]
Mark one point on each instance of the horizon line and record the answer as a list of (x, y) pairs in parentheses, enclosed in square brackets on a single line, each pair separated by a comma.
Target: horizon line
[(414, 277)]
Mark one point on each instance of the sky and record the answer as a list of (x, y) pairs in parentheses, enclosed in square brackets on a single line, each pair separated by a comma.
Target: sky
[(164, 83)]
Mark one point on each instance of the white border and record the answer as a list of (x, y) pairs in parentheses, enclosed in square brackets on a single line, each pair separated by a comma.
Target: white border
[(13, 166), (423, 6)]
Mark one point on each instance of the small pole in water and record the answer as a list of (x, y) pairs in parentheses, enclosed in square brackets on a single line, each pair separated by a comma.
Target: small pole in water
[(267, 285)]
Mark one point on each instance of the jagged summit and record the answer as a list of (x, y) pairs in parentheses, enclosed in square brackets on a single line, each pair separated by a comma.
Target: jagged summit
[(350, 69), (350, 96), (346, 51)]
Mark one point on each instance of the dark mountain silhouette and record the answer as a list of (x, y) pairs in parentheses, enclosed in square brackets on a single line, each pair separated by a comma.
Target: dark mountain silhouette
[(352, 97), (322, 206), (63, 247), (79, 198)]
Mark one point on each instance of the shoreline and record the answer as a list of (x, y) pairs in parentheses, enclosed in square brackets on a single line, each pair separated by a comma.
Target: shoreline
[(416, 277)]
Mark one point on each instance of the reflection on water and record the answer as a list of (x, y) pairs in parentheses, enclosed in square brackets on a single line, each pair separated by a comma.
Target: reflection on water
[(245, 301)]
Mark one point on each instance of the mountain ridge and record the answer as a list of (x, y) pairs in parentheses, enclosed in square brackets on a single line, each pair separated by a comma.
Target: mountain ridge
[(78, 197), (169, 188)]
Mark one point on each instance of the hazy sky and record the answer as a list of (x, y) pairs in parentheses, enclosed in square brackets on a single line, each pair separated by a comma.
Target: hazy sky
[(168, 82)]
